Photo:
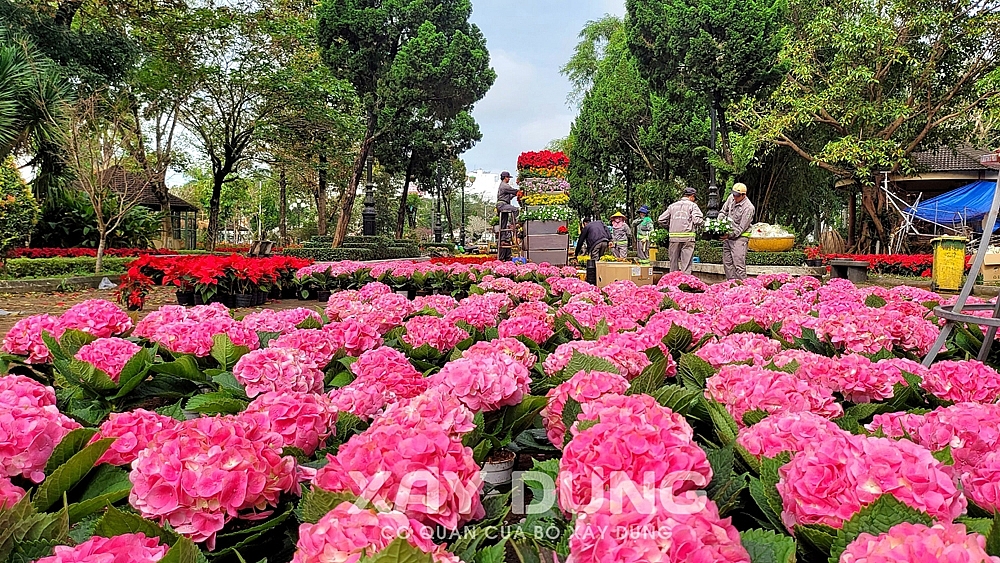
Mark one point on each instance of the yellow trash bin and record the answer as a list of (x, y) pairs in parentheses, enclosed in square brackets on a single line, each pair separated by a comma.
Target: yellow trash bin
[(652, 254), (949, 263)]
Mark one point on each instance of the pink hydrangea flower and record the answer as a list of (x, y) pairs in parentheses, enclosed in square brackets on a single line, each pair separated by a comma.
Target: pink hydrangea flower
[(675, 533), (278, 369), (740, 347), (616, 348), (434, 407), (22, 391), (27, 437), (435, 332), (745, 388), (394, 464), (636, 442), (195, 336), (916, 543), (510, 346), (149, 325), (534, 309), (832, 480), (321, 346), (281, 322), (133, 430), (303, 420), (347, 533), (101, 318), (791, 432), (440, 304), (484, 382), (125, 548), (204, 472), (963, 381), (383, 376), (582, 387), (533, 329), (354, 337), (372, 290), (108, 355), (10, 494), (25, 338)]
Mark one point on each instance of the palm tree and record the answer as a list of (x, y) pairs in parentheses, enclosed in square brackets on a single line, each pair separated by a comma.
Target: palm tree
[(34, 96)]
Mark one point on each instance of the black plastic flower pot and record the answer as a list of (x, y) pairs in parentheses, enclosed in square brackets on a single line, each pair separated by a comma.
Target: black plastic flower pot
[(323, 295), (243, 300), (185, 297)]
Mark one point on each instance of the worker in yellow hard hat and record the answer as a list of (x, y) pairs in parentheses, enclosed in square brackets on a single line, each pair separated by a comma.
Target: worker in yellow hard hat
[(620, 233)]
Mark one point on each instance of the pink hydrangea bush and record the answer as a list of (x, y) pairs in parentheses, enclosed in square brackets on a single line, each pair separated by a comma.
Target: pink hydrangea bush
[(982, 482), (510, 346), (347, 533), (615, 348), (674, 533), (440, 304), (98, 317), (303, 420), (25, 338), (10, 494), (738, 348), (21, 391), (108, 355), (281, 322), (791, 432), (917, 543), (28, 434), (582, 387), (484, 382), (207, 471), (432, 407), (742, 389), (635, 442), (965, 381), (196, 336), (383, 376), (354, 337), (832, 480), (321, 346), (435, 332), (278, 369), (132, 431), (420, 470), (536, 330), (124, 548)]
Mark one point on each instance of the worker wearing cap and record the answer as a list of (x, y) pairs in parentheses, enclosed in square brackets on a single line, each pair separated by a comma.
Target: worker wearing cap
[(739, 211), (620, 233), (682, 219), (643, 231), (505, 195)]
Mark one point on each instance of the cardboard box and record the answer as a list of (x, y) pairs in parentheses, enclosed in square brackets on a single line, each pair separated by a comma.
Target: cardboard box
[(610, 272), (991, 268)]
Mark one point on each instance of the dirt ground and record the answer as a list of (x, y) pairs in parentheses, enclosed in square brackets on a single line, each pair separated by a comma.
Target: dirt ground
[(16, 306)]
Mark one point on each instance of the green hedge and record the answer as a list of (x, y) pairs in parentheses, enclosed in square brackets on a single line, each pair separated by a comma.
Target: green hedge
[(316, 244), (16, 268), (322, 239), (710, 252), (449, 245), (331, 254)]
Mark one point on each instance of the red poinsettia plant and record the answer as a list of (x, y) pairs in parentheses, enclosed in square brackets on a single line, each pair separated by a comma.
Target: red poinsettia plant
[(542, 159)]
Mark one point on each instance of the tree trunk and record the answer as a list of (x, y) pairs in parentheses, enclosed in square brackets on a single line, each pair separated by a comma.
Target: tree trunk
[(213, 211), (101, 243), (282, 208), (852, 216), (322, 224), (351, 192), (401, 212), (446, 198), (727, 150)]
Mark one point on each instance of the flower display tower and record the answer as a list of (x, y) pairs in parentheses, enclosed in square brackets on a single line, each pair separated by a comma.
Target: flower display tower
[(544, 196)]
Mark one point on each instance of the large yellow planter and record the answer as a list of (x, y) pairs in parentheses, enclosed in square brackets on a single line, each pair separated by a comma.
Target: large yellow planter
[(772, 244)]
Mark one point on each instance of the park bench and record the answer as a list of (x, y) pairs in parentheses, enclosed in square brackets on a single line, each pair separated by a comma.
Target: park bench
[(261, 249), (854, 270)]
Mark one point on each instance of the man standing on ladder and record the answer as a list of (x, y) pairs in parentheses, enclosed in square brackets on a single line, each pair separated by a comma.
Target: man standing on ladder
[(508, 218), (739, 211)]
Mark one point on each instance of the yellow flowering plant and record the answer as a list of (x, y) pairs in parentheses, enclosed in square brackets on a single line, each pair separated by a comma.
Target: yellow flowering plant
[(545, 199)]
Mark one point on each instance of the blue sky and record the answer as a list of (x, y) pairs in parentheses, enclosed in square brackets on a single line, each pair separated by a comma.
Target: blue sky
[(529, 40)]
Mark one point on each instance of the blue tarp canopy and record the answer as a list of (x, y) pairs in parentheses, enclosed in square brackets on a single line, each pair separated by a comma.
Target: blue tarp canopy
[(968, 204)]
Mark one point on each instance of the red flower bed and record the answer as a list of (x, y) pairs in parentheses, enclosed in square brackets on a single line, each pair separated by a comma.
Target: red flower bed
[(470, 260), (542, 159), (895, 264), (78, 252), (208, 274)]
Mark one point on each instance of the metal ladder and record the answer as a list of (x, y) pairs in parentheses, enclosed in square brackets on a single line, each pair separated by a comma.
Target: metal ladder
[(507, 237)]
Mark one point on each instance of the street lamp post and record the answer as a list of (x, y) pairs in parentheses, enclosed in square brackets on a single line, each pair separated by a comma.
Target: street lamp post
[(713, 190), (438, 235), (461, 229), (368, 214)]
